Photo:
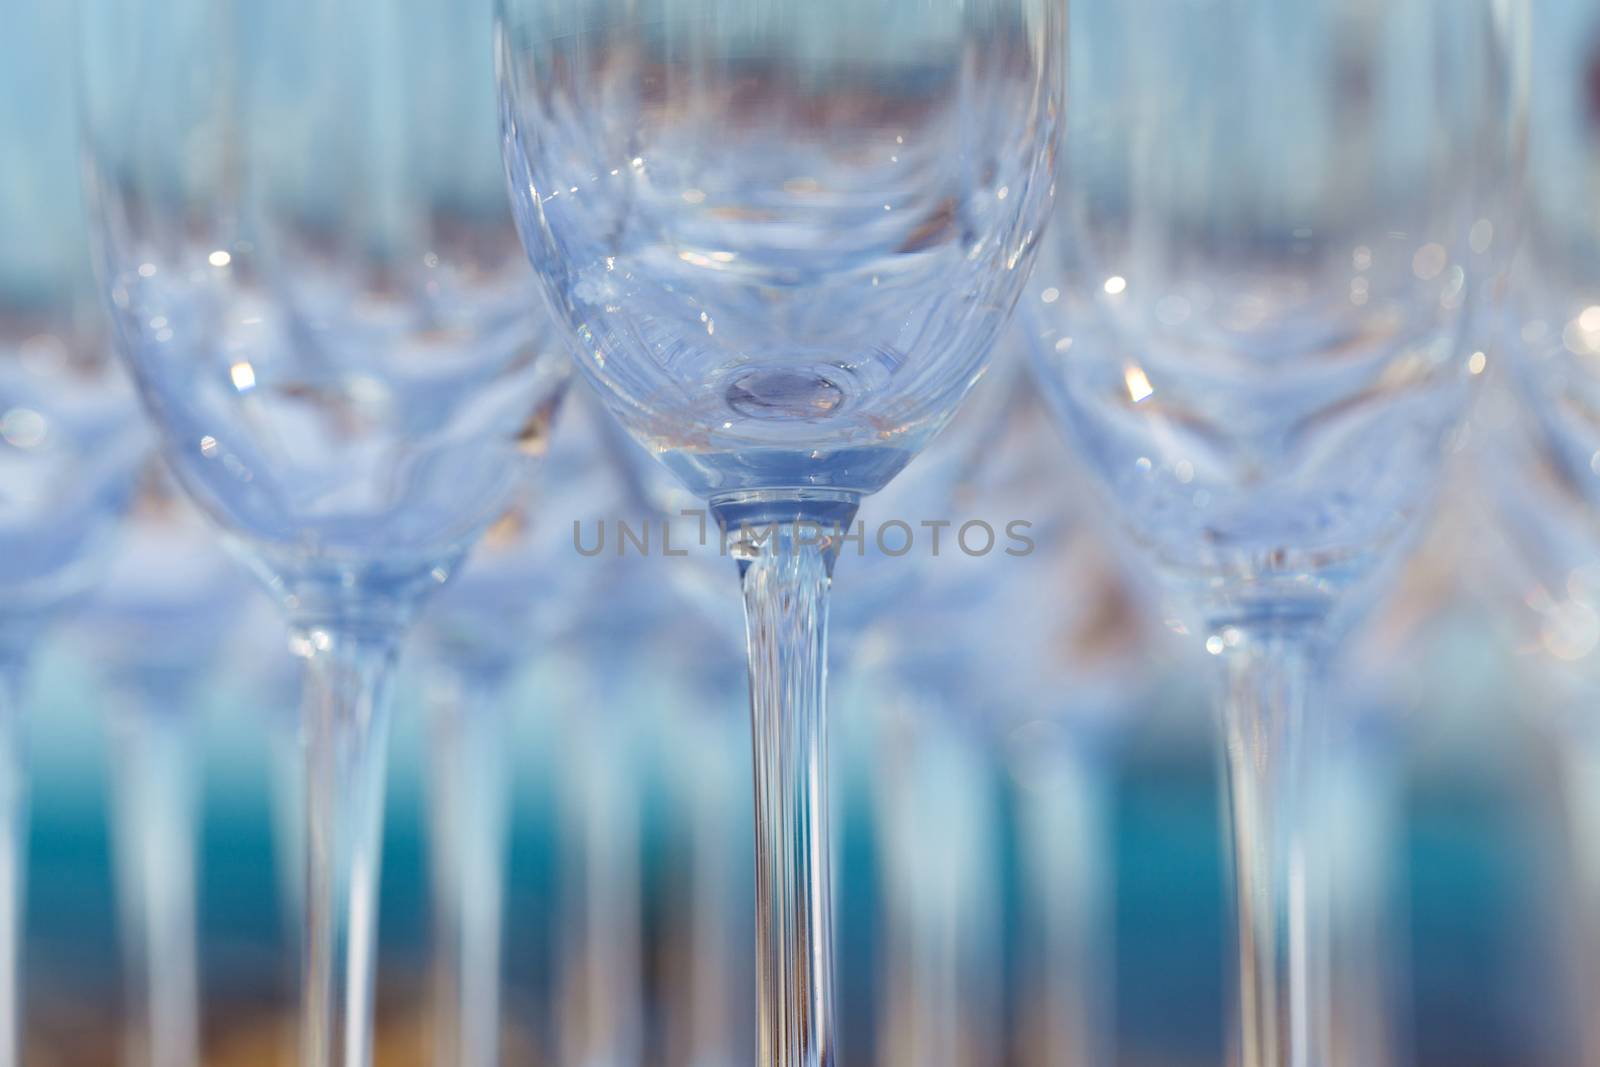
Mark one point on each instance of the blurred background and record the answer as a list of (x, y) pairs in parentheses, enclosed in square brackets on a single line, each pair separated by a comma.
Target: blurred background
[(1029, 864)]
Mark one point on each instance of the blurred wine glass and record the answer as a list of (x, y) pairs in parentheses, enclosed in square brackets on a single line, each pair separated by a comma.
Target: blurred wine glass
[(69, 435), (1271, 222), (303, 237), (1542, 449), (524, 589), (157, 626), (1043, 697)]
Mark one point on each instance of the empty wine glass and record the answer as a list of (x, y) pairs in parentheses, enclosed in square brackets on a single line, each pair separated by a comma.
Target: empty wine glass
[(157, 629), (1550, 471), (304, 240), (710, 906), (521, 589), (1269, 220), (1534, 552), (1553, 319), (783, 238), (1045, 691), (615, 684), (70, 439)]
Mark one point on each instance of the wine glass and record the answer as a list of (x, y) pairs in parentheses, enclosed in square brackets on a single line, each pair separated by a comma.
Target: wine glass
[(70, 439), (521, 589), (933, 497), (1552, 323), (304, 241), (1547, 444), (782, 238), (157, 627), (710, 905), (1045, 692), (1270, 220)]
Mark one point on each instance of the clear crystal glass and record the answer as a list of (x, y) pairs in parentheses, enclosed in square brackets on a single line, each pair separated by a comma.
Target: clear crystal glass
[(304, 240), (70, 440), (157, 631), (1552, 325), (1272, 219), (1543, 449), (783, 238)]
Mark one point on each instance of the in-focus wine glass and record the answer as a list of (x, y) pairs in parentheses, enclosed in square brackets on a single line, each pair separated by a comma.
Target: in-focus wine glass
[(305, 243), (1270, 218), (70, 438), (932, 497), (783, 238)]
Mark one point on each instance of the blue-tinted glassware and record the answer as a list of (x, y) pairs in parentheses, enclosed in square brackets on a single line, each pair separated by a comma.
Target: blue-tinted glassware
[(783, 238), (1271, 220), (157, 630), (522, 589), (70, 438), (305, 243), (1547, 446), (1552, 325)]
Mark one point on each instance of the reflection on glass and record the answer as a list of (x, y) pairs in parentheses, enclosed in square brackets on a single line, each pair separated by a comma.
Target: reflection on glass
[(304, 240), (1550, 491), (782, 278), (68, 434), (1268, 235), (159, 624)]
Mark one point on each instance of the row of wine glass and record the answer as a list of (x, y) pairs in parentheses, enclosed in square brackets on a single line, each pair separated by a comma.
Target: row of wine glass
[(780, 242)]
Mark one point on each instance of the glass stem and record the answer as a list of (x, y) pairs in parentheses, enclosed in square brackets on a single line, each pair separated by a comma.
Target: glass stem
[(1581, 774), (601, 979), (154, 825), (786, 574), (13, 855), (1359, 803), (1271, 746), (344, 733), (1066, 855), (942, 922), (468, 809), (715, 765)]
